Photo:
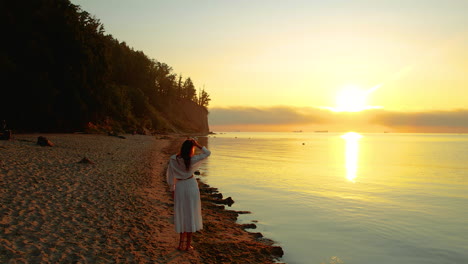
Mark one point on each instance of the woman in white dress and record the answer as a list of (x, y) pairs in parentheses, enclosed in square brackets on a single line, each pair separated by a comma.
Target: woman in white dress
[(187, 204)]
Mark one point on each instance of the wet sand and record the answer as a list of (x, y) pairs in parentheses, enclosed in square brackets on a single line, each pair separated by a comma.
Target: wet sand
[(116, 209)]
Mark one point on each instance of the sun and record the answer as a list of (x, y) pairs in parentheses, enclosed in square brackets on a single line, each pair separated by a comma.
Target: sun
[(352, 98)]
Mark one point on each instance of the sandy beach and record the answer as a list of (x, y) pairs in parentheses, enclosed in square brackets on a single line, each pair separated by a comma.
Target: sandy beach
[(116, 209)]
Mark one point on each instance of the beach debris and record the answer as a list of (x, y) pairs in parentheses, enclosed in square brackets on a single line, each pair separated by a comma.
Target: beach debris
[(85, 160), (44, 142)]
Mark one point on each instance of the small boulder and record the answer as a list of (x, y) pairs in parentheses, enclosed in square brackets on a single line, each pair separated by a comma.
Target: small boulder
[(85, 160), (228, 201), (249, 226), (277, 251), (257, 235), (43, 141)]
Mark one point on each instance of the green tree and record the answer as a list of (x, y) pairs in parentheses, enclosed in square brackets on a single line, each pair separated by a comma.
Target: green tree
[(204, 98), (188, 90)]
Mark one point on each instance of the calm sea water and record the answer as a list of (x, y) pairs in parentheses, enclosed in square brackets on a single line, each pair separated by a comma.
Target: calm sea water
[(353, 199)]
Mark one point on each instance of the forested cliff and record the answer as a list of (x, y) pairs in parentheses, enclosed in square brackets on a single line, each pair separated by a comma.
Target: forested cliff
[(62, 73)]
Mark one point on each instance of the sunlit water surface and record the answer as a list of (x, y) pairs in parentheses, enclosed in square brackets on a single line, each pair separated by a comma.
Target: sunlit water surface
[(353, 198)]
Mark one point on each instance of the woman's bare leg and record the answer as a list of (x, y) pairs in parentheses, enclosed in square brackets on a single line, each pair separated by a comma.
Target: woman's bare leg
[(189, 241), (181, 241)]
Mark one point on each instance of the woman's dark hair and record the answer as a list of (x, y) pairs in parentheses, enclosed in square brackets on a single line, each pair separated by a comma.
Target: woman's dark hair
[(186, 152)]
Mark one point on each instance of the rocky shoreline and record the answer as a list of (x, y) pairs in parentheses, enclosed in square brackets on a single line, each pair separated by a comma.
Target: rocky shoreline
[(222, 239), (114, 209)]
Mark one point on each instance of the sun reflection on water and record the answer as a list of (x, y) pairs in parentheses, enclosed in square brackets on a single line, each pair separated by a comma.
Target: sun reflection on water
[(351, 154)]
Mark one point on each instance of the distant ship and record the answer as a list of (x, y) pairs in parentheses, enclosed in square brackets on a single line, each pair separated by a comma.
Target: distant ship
[(297, 131), (321, 131)]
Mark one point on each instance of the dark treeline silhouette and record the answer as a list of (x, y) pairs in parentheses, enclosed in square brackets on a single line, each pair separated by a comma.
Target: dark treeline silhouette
[(61, 72)]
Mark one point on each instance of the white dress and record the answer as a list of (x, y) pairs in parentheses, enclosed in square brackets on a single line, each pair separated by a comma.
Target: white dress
[(187, 204)]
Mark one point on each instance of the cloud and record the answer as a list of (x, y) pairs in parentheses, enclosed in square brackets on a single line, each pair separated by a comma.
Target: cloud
[(277, 115), (455, 118), (425, 121)]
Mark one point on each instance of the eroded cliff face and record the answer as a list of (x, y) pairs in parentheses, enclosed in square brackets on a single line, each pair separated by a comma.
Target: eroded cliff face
[(185, 116)]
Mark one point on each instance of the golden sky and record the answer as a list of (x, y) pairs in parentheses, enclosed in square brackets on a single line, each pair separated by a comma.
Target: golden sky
[(296, 55)]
